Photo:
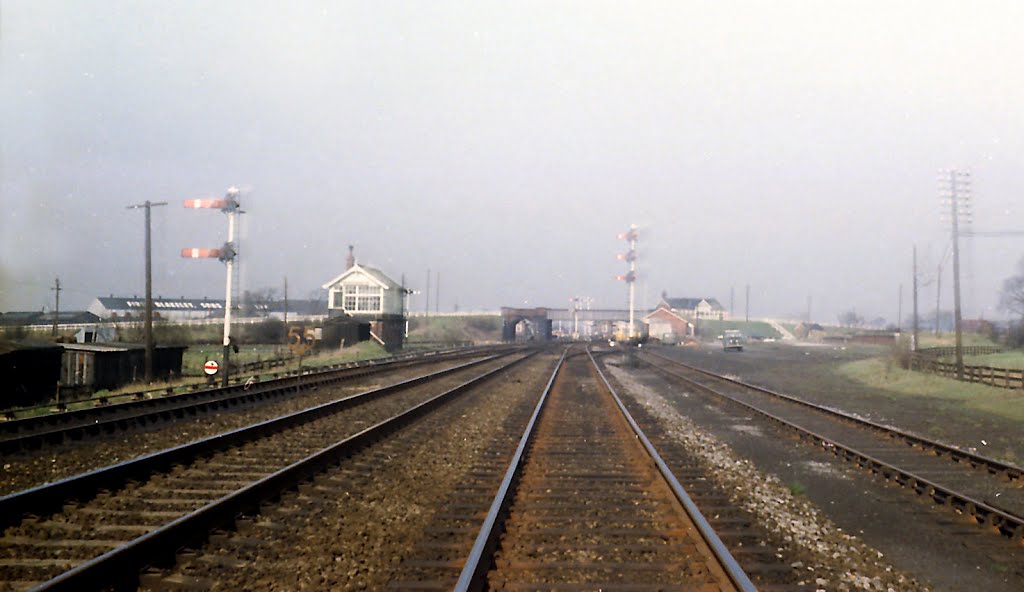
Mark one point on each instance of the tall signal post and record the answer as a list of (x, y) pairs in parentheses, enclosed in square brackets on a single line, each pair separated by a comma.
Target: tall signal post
[(955, 190), (575, 301), (913, 338), (227, 254), (148, 327), (56, 305), (630, 278)]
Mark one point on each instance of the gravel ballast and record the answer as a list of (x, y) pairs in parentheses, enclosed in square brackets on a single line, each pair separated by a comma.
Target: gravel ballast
[(833, 559)]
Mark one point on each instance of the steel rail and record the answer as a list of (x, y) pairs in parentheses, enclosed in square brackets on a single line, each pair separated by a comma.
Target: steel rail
[(35, 432), (1007, 523), (44, 499), (993, 466), (252, 369), (474, 571), (732, 568), (193, 528), (143, 400)]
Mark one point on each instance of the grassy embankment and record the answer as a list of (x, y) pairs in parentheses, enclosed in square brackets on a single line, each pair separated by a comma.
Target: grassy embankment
[(884, 373), (948, 339), (1010, 359), (197, 355), (711, 329), (478, 329)]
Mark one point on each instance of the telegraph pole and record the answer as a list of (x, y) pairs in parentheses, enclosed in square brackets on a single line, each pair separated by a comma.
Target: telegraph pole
[(148, 206), (747, 312), (899, 311), (913, 339), (286, 309), (426, 309), (957, 191), (56, 305)]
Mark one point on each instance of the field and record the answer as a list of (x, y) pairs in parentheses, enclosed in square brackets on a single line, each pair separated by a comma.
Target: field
[(867, 380), (1010, 359), (710, 328), (196, 356), (927, 339), (881, 373), (446, 329)]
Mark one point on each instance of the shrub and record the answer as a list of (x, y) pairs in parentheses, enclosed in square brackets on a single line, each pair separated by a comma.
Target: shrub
[(269, 331)]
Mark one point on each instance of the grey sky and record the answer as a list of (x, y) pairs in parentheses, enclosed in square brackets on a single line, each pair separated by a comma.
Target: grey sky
[(793, 146)]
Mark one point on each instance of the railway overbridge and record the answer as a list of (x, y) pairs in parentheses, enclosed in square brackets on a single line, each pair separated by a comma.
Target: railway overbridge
[(544, 324)]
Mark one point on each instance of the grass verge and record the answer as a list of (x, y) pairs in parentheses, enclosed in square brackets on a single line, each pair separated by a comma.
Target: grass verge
[(883, 374), (1011, 359)]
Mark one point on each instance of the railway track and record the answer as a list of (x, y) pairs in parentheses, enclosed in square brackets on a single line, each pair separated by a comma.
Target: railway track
[(584, 503), (94, 530), (29, 468), (41, 431), (985, 489)]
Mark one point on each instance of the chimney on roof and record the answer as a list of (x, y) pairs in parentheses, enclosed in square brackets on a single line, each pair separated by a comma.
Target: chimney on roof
[(351, 259)]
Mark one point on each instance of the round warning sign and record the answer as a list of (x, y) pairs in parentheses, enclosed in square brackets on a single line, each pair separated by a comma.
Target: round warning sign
[(211, 367)]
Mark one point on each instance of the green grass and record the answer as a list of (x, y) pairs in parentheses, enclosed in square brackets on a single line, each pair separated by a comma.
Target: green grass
[(366, 350), (927, 339), (197, 355), (710, 328), (1010, 359), (453, 329), (797, 488), (883, 374)]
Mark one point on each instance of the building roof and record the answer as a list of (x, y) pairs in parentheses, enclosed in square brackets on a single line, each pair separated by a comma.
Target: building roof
[(665, 311), (96, 347), (213, 307), (116, 347), (375, 275), (691, 303), (296, 307), (7, 346), (139, 303)]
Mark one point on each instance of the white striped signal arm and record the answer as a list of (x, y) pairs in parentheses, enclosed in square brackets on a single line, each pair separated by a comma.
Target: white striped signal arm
[(206, 203), (201, 253)]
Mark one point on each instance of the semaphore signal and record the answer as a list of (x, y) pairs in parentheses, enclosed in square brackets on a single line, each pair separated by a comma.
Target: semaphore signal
[(630, 278), (227, 253)]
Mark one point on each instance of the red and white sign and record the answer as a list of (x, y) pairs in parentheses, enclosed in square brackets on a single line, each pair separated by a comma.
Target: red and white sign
[(211, 367)]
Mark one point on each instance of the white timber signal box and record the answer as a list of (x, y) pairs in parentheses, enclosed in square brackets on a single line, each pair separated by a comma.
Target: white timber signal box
[(367, 294)]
